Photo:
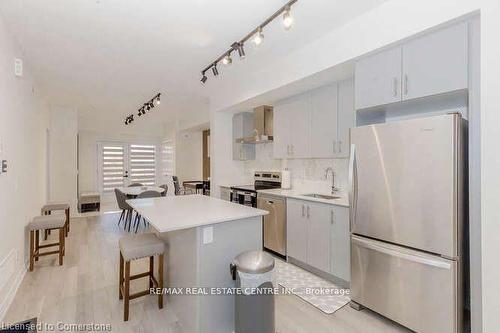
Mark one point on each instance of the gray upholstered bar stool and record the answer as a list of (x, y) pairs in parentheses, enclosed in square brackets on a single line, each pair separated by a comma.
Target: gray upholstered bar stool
[(53, 206), (45, 223), (138, 247)]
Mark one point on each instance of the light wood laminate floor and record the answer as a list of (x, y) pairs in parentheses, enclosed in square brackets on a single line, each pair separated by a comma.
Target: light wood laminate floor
[(85, 290)]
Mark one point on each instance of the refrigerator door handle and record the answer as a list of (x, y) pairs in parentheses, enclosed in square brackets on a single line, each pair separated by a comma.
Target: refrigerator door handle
[(441, 263), (353, 186)]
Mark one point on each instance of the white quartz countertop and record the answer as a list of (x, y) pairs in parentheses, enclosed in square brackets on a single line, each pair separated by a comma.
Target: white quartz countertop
[(294, 194), (188, 211)]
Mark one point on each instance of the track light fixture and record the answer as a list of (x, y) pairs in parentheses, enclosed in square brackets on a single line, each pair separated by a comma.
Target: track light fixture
[(227, 60), (256, 34), (259, 37), (215, 71), (144, 108), (203, 77), (287, 18), (239, 47)]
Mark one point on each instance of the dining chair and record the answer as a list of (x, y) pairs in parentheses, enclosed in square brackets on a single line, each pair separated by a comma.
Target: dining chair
[(121, 199), (165, 187), (145, 194), (178, 189)]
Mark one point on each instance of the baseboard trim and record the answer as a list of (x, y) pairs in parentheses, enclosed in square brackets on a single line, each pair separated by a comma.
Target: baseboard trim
[(4, 306)]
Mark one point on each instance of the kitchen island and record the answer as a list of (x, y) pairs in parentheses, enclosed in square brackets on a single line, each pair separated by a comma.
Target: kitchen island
[(202, 236)]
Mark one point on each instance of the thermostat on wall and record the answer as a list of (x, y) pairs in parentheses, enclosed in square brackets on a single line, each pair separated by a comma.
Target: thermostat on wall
[(18, 67)]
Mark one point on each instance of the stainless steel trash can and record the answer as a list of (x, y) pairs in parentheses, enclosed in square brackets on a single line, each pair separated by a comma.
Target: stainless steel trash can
[(254, 306)]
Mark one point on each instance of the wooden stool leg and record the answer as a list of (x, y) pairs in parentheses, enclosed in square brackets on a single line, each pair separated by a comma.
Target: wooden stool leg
[(64, 243), (67, 221), (160, 281), (32, 245), (45, 234), (126, 291), (61, 245), (37, 242), (121, 277), (151, 270)]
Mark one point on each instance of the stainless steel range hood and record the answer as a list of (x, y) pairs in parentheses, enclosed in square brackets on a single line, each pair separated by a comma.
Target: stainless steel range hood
[(263, 126)]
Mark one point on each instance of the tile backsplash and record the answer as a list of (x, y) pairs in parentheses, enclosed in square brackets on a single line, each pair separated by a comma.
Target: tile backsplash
[(307, 174)]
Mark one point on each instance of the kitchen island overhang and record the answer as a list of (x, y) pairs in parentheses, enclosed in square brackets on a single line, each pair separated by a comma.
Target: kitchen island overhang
[(202, 236)]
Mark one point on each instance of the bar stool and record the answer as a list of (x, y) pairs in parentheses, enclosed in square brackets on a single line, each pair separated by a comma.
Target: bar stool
[(44, 223), (53, 206), (137, 247)]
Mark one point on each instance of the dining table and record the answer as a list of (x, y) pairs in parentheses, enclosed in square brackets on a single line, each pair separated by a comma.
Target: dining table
[(134, 191)]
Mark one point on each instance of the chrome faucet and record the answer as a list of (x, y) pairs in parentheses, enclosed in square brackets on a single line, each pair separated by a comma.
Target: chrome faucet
[(334, 189)]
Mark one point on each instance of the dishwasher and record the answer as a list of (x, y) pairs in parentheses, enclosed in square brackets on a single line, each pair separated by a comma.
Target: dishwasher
[(274, 226)]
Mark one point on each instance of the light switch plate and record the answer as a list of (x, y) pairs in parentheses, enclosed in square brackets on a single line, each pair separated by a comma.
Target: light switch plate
[(208, 235)]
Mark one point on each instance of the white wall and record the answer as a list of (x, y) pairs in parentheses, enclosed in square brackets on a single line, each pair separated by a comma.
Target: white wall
[(389, 23), (189, 155), (24, 117), (63, 155)]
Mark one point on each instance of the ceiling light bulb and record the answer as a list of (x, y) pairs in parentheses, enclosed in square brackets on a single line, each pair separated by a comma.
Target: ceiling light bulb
[(227, 60), (287, 19), (158, 101), (259, 37)]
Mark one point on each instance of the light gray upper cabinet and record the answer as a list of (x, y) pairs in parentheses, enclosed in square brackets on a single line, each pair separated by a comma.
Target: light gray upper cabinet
[(318, 235), (296, 224), (323, 140), (315, 124), (378, 79), (435, 63), (346, 117), (243, 127), (291, 127)]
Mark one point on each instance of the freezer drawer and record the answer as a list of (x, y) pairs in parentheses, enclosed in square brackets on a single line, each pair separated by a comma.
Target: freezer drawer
[(418, 290)]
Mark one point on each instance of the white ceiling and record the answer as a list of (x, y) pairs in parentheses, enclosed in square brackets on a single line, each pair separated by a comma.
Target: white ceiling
[(112, 55)]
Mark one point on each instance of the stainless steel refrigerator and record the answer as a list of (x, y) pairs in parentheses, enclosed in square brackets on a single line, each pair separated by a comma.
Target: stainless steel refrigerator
[(408, 207)]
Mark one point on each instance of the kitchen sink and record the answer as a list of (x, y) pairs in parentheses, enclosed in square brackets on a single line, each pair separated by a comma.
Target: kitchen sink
[(321, 196)]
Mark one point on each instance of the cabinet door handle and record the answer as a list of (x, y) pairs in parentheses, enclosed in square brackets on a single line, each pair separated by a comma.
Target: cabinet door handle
[(307, 211), (303, 211), (406, 84), (334, 146), (331, 217), (395, 86), (340, 146), (291, 149)]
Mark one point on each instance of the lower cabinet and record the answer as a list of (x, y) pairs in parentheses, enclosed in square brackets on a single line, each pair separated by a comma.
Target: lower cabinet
[(318, 235), (296, 240)]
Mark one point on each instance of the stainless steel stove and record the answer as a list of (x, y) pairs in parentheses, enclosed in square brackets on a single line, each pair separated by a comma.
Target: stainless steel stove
[(247, 194)]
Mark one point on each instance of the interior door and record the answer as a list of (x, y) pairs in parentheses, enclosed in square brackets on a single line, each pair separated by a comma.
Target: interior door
[(407, 180)]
